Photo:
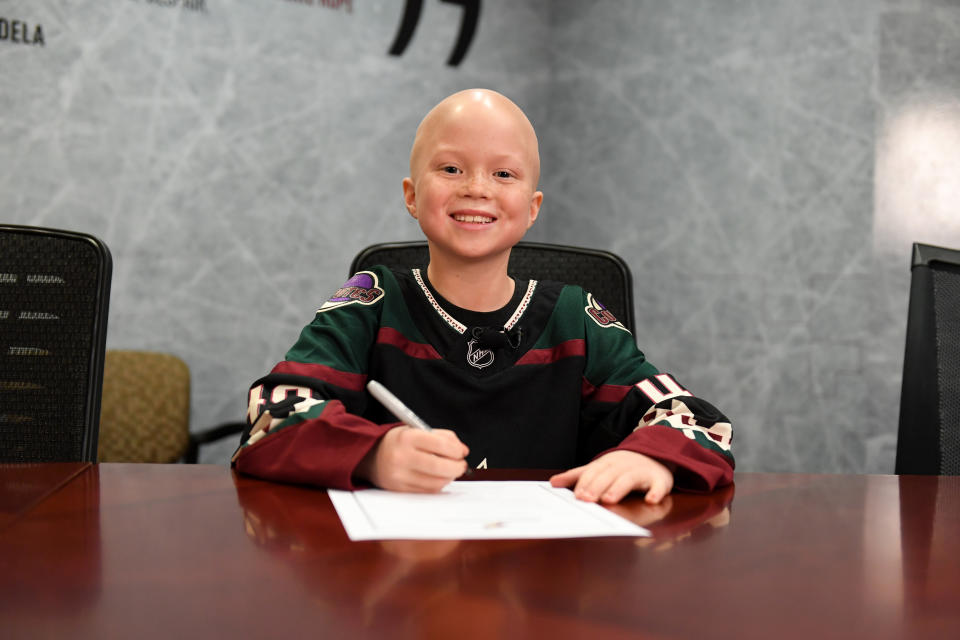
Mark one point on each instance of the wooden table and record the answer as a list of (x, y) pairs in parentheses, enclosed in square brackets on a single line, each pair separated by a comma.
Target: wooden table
[(177, 551), (23, 486)]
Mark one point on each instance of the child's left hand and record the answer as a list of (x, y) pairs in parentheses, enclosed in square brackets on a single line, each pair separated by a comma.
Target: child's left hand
[(613, 475)]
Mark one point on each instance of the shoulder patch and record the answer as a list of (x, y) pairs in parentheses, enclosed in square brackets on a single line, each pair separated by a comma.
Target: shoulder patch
[(363, 288), (601, 315)]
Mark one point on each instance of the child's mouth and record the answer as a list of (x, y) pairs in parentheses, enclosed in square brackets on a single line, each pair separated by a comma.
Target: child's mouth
[(459, 217)]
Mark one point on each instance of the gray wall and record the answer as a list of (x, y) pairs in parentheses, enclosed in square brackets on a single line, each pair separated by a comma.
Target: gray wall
[(763, 165)]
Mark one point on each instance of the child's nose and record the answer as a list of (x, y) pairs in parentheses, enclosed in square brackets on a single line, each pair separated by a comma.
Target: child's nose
[(476, 185)]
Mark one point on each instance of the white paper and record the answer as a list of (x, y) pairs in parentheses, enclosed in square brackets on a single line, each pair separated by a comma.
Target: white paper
[(476, 510)]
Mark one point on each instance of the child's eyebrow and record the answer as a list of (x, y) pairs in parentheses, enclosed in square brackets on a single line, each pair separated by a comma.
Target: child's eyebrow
[(512, 159)]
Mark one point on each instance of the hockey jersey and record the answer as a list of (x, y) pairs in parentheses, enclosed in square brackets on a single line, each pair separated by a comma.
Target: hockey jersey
[(550, 381)]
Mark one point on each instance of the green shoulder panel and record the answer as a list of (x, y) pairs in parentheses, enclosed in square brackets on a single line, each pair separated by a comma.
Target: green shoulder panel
[(611, 351), (612, 354), (345, 326), (566, 321), (396, 313)]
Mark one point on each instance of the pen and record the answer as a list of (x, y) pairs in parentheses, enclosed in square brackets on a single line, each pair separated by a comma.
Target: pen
[(402, 412)]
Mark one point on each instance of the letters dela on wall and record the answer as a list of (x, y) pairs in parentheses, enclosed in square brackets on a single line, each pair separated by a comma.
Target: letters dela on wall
[(15, 31), (20, 32)]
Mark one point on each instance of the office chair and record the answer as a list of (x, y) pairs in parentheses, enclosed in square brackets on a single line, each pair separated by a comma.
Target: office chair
[(602, 273), (145, 413), (212, 434), (151, 425), (54, 299), (928, 438)]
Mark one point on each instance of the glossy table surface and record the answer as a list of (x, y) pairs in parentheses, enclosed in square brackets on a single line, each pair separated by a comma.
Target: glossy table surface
[(23, 486), (172, 551)]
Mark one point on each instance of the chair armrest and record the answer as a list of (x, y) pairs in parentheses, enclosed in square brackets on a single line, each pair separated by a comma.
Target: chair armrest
[(212, 434)]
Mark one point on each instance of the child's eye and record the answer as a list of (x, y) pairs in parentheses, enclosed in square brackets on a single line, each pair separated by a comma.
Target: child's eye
[(450, 169), (503, 174)]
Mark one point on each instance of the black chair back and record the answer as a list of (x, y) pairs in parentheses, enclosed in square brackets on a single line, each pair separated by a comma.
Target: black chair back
[(602, 273), (54, 297), (928, 439)]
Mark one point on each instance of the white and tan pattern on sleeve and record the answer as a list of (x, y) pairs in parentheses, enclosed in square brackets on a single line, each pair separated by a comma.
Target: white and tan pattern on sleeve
[(679, 416)]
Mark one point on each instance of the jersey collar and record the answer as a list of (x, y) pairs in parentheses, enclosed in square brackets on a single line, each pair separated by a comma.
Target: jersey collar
[(458, 326)]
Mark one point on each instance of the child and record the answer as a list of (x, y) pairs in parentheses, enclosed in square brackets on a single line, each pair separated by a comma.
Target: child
[(520, 373)]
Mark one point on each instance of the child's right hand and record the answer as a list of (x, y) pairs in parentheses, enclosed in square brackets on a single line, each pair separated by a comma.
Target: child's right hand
[(413, 460)]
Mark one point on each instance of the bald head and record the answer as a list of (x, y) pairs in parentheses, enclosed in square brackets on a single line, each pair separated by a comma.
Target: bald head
[(476, 108)]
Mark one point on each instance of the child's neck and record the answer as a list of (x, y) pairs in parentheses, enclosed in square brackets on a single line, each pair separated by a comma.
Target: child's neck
[(480, 286)]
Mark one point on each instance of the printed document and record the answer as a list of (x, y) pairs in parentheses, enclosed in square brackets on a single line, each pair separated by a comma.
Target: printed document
[(473, 510)]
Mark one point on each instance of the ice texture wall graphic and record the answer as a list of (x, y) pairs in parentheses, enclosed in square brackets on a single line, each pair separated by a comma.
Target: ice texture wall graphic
[(762, 166)]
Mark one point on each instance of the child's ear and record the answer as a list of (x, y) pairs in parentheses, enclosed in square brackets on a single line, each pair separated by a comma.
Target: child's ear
[(410, 196), (535, 203)]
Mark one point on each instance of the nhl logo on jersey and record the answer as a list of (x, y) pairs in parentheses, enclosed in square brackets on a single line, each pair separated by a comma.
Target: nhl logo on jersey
[(362, 288), (478, 358), (601, 315)]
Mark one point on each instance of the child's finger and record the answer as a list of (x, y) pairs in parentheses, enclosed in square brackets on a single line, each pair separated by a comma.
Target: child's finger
[(594, 481), (436, 466), (414, 483), (620, 487), (417, 482), (450, 444), (566, 478), (659, 487), (439, 442)]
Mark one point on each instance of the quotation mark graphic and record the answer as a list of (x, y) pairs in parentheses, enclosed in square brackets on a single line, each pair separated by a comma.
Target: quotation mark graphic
[(411, 16)]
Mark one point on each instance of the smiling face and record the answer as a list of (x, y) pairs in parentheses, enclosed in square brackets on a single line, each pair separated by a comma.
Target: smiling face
[(474, 169)]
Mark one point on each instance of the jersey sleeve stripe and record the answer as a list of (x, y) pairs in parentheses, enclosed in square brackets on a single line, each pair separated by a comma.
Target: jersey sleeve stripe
[(342, 379), (392, 337), (605, 392), (567, 349)]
